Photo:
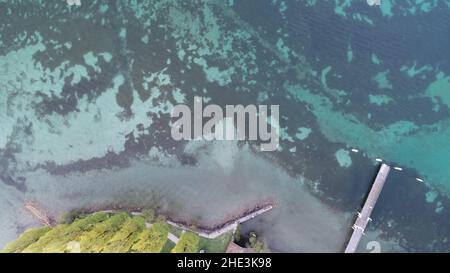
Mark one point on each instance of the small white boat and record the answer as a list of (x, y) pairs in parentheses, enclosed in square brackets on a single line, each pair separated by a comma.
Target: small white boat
[(355, 150), (379, 160), (420, 180), (398, 168)]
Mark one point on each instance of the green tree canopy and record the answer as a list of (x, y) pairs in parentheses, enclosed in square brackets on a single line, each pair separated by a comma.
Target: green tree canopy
[(96, 239), (74, 231), (188, 243), (152, 240), (125, 238), (27, 238)]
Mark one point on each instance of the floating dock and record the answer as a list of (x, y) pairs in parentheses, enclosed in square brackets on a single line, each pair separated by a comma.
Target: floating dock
[(364, 216)]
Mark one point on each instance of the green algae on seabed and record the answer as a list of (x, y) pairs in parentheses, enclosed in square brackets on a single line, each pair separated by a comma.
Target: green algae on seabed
[(75, 128), (386, 8), (439, 207), (283, 49), (311, 3), (427, 6), (178, 96), (341, 6), (349, 53), (91, 60), (283, 7), (362, 18), (343, 158), (213, 74), (382, 80), (439, 90), (413, 71), (411, 8), (104, 7), (425, 149), (123, 33), (431, 196), (303, 133), (323, 76), (106, 56), (145, 39), (340, 9), (78, 72), (379, 99), (375, 59)]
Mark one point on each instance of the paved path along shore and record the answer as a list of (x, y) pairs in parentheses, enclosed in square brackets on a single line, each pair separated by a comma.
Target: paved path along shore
[(211, 234)]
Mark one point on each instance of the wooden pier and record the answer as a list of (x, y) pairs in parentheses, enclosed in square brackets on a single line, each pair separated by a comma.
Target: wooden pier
[(364, 216), (39, 214)]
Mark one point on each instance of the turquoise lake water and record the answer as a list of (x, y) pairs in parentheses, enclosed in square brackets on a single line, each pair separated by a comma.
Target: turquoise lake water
[(86, 94)]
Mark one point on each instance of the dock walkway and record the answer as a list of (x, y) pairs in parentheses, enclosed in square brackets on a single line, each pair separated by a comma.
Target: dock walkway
[(364, 216)]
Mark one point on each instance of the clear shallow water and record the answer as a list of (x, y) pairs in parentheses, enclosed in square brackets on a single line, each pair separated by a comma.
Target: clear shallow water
[(206, 195), (88, 89)]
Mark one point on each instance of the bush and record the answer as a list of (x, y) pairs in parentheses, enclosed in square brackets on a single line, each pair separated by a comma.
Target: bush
[(188, 243), (257, 245), (149, 215), (161, 218), (70, 216), (96, 239), (101, 232), (237, 233), (152, 240), (125, 238), (29, 237), (47, 238), (73, 232)]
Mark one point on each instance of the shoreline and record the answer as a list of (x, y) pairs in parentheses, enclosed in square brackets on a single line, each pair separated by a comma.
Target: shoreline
[(252, 195), (227, 226), (211, 232)]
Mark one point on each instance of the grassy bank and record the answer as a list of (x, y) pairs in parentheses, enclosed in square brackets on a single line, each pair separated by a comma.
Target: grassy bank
[(118, 232)]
